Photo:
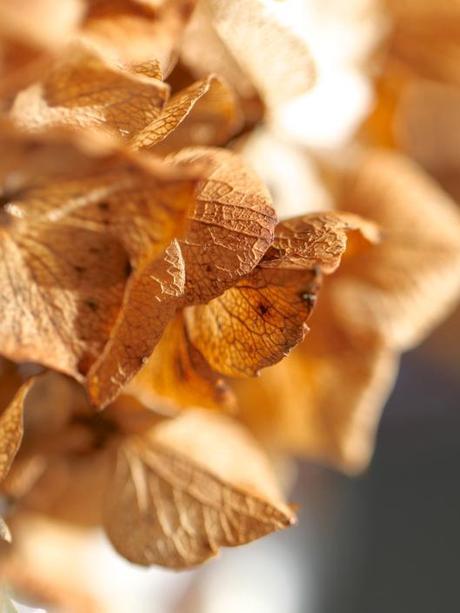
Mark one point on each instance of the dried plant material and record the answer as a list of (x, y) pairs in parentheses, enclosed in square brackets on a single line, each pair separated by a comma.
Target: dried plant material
[(379, 302), (426, 37), (69, 242), (205, 113), (258, 321), (177, 371), (317, 240), (178, 505), (263, 48), (11, 429), (138, 30), (5, 534), (11, 432), (255, 323), (232, 225), (427, 125), (296, 407), (31, 33), (83, 90), (418, 258), (201, 37), (151, 300)]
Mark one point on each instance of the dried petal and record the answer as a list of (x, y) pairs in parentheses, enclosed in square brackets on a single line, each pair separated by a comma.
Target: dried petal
[(408, 281), (195, 484), (205, 113), (255, 323), (11, 429), (138, 30), (151, 299), (68, 244), (258, 321), (232, 225), (31, 33), (83, 90), (267, 51), (324, 400), (177, 371)]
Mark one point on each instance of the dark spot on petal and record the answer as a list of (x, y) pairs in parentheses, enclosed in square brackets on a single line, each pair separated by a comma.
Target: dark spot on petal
[(263, 309), (92, 304), (79, 269), (103, 205)]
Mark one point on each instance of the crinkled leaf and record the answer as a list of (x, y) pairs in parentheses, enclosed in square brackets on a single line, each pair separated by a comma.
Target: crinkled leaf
[(232, 225), (151, 299), (68, 244), (84, 90), (255, 323), (205, 113), (258, 321), (191, 486)]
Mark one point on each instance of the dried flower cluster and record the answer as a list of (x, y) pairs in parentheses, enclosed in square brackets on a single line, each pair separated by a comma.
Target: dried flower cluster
[(146, 278)]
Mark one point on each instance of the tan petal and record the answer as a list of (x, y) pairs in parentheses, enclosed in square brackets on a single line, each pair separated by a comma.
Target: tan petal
[(197, 483), (316, 240), (231, 227), (425, 36), (428, 126), (205, 113), (258, 321), (11, 429), (324, 400), (83, 90), (177, 371), (31, 33), (138, 30), (151, 299), (404, 285), (255, 323), (201, 39), (5, 534), (67, 244), (277, 62)]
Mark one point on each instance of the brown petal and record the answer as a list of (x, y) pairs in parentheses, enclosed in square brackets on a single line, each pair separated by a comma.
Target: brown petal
[(275, 59), (324, 400), (201, 39), (205, 113), (31, 33), (232, 225), (67, 244), (138, 30), (404, 285), (177, 371), (316, 240), (151, 299), (83, 90), (195, 484), (5, 534), (11, 429), (258, 321)]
